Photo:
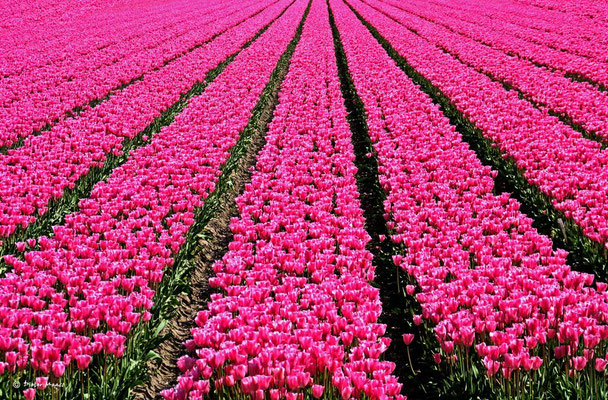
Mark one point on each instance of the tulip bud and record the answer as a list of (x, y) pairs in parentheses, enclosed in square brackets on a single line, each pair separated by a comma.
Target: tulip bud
[(58, 368), (41, 382), (317, 391), (600, 364), (408, 338)]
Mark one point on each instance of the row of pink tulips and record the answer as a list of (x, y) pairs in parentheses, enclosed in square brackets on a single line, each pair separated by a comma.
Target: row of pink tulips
[(39, 171), (60, 94), (593, 11), (148, 33), (504, 19), (594, 70), (92, 282), (568, 169), (579, 101), (295, 315), (568, 25), (511, 298), (33, 37)]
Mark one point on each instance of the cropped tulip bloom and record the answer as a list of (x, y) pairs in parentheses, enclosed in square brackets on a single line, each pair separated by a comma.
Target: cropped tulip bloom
[(408, 338)]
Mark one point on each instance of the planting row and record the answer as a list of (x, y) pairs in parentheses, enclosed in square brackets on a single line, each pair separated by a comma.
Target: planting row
[(295, 315), (590, 10), (36, 37), (55, 95), (89, 285), (35, 175), (582, 38), (141, 37), (488, 283), (594, 70), (578, 101), (23, 26), (569, 26), (566, 169)]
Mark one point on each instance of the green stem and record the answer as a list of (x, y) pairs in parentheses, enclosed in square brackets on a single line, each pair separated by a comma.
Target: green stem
[(409, 359)]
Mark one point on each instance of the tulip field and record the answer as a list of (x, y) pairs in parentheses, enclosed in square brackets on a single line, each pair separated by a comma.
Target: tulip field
[(303, 199)]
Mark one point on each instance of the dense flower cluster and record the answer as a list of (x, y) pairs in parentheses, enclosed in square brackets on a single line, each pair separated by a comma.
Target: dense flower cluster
[(295, 314), (38, 96), (93, 281), (38, 172), (580, 101), (570, 170), (592, 69), (584, 8), (564, 32), (33, 36), (487, 280)]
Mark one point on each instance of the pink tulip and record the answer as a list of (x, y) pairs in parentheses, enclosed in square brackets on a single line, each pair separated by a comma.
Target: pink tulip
[(41, 382), (83, 361), (579, 363), (408, 338), (29, 394), (317, 391), (600, 364), (58, 368)]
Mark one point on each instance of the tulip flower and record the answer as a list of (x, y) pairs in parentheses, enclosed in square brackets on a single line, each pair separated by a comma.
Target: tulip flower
[(579, 363), (408, 338), (317, 391), (600, 364), (58, 368)]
